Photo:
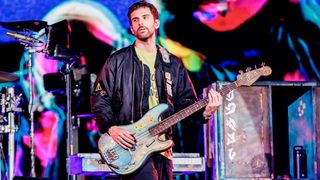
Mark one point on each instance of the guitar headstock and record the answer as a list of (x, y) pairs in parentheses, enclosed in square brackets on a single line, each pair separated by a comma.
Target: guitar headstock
[(251, 76)]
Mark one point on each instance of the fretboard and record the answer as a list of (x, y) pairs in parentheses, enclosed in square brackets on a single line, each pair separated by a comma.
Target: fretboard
[(175, 118)]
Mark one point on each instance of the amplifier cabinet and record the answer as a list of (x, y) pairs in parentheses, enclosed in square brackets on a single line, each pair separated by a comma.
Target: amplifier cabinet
[(303, 120), (243, 134)]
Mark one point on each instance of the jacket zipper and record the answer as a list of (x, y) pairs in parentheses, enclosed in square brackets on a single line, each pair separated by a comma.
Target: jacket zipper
[(142, 90), (132, 105)]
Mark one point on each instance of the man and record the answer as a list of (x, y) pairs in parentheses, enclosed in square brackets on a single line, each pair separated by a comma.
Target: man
[(135, 79)]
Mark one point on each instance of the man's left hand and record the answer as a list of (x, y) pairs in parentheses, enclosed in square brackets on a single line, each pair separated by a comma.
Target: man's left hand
[(215, 101)]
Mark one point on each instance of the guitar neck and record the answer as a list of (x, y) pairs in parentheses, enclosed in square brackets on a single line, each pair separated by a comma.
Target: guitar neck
[(182, 114)]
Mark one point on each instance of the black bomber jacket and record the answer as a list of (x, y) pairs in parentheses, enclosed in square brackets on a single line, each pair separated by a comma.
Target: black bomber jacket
[(121, 90)]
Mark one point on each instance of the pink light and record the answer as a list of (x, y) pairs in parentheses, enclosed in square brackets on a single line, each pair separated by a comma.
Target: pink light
[(295, 76), (45, 138), (92, 126), (238, 12), (102, 36)]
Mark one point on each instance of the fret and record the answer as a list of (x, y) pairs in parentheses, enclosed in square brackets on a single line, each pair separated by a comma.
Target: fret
[(170, 121), (225, 90)]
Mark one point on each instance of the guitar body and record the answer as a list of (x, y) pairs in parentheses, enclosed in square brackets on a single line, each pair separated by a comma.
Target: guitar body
[(148, 129), (124, 161)]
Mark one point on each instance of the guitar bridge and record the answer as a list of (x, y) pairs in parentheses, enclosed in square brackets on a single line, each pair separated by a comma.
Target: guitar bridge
[(111, 155)]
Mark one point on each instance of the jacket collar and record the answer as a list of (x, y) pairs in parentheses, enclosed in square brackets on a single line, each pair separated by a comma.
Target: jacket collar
[(163, 56)]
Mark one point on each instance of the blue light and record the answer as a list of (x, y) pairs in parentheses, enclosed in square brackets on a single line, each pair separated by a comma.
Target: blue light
[(23, 10)]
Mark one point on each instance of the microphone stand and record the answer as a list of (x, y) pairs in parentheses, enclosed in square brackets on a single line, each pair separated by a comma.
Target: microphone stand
[(29, 44), (31, 51)]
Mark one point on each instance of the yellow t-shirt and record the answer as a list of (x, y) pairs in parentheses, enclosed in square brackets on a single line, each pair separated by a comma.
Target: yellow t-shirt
[(149, 58)]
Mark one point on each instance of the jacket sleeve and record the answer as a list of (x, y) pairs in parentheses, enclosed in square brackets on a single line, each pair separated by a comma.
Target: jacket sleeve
[(101, 96), (186, 94)]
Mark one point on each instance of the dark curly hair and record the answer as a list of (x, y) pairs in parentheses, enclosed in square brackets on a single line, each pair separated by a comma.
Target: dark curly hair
[(142, 4)]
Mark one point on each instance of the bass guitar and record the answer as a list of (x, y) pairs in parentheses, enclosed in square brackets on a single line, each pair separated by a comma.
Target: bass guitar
[(149, 128)]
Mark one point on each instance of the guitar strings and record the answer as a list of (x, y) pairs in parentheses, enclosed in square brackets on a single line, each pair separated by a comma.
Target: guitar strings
[(146, 133), (139, 137)]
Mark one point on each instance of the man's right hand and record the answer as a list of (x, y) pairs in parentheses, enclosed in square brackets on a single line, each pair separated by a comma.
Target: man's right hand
[(123, 137)]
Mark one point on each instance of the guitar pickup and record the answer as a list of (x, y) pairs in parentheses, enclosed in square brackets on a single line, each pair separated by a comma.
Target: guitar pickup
[(150, 142)]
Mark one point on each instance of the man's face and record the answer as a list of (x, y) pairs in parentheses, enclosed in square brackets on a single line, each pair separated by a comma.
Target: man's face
[(143, 24)]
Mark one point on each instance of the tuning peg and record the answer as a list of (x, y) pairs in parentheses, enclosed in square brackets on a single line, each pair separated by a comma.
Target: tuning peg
[(263, 64), (240, 72), (248, 69)]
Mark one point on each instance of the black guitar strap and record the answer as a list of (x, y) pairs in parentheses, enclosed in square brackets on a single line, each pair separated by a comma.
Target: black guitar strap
[(167, 75), (168, 81)]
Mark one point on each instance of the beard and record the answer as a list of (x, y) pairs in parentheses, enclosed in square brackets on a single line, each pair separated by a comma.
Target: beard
[(143, 34)]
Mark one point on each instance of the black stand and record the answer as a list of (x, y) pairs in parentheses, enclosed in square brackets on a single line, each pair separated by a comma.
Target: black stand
[(69, 58), (70, 147)]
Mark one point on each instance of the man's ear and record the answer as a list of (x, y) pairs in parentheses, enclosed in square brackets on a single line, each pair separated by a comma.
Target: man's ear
[(131, 29), (157, 22)]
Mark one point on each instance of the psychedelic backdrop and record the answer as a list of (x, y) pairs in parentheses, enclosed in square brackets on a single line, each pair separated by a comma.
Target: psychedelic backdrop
[(214, 38)]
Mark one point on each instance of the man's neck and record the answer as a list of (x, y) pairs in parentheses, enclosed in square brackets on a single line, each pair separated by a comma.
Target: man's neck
[(149, 45)]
